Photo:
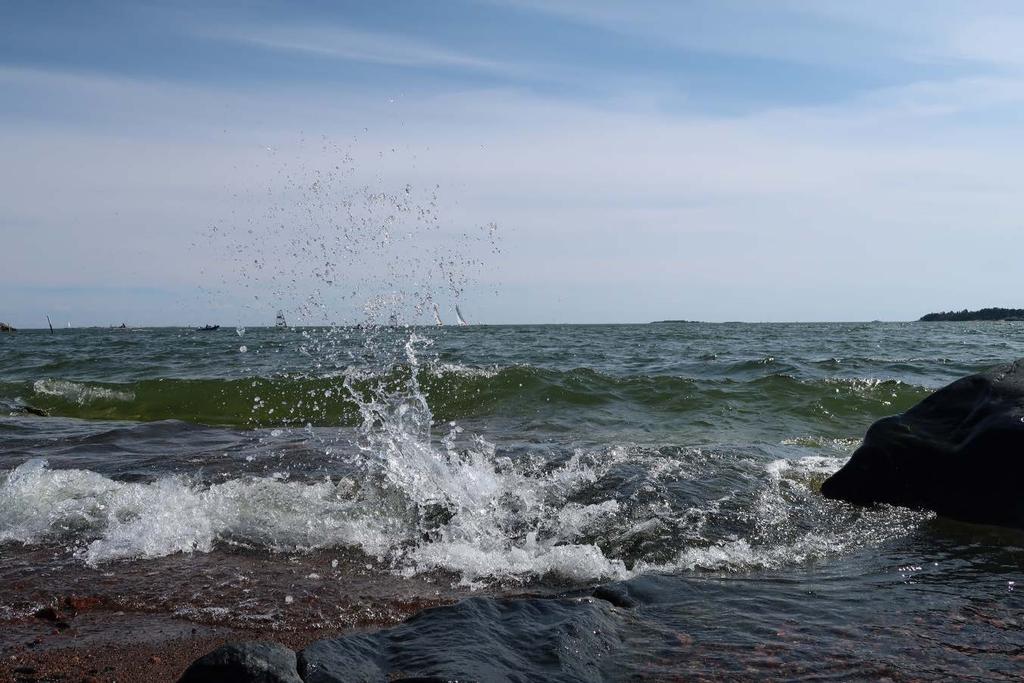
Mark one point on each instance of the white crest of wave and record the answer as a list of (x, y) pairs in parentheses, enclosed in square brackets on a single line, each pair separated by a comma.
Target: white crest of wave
[(78, 392)]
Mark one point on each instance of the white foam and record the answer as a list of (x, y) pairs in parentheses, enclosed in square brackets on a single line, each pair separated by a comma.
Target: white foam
[(499, 524), (78, 392), (838, 445), (132, 520), (467, 371), (36, 502), (475, 561)]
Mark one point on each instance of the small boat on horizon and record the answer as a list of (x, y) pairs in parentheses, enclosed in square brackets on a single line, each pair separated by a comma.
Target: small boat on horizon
[(458, 314), (207, 328), (280, 320)]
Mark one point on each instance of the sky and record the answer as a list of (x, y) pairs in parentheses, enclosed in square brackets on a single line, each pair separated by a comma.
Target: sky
[(578, 161)]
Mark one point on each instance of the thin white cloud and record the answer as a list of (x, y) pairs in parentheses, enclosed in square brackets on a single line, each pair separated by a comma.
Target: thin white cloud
[(789, 31), (869, 33), (993, 39), (357, 45)]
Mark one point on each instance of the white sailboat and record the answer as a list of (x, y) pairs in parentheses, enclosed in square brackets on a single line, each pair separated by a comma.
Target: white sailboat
[(458, 313), (437, 316)]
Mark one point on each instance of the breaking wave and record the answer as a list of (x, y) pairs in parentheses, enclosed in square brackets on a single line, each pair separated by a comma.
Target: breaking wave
[(457, 504), (421, 493)]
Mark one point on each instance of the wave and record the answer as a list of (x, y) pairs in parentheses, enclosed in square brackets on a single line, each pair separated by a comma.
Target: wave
[(471, 513), (421, 501), (454, 392)]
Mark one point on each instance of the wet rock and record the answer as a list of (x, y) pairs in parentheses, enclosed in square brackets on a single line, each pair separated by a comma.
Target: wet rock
[(959, 452), (252, 662), (49, 613), (616, 594), (77, 603), (477, 639)]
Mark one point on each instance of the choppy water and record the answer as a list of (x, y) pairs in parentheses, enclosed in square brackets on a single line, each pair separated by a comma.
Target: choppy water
[(423, 464)]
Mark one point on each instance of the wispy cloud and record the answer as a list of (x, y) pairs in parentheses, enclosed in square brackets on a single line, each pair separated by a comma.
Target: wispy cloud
[(357, 45), (866, 33), (788, 31)]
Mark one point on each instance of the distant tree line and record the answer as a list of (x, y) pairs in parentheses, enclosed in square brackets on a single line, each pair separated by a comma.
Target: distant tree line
[(983, 314)]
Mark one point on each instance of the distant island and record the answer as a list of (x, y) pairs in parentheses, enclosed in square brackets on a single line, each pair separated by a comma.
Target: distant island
[(983, 314)]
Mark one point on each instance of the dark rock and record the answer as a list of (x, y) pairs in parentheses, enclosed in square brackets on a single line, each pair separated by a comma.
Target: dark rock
[(959, 452), (477, 639), (253, 662), (77, 603), (616, 594), (49, 613)]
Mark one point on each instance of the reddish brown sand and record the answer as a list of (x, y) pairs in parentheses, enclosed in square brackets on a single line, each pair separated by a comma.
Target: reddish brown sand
[(148, 620), (102, 645)]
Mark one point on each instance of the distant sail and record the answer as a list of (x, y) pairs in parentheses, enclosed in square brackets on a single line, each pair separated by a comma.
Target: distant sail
[(280, 319), (458, 313), (437, 316)]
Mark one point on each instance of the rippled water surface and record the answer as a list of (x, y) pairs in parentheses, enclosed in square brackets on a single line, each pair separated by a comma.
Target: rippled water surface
[(350, 476)]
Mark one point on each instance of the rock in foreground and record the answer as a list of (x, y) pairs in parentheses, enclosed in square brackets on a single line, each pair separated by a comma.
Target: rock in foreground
[(959, 452), (477, 639), (252, 662), (561, 640)]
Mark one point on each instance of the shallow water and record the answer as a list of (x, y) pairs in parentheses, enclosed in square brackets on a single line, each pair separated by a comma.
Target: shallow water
[(349, 477)]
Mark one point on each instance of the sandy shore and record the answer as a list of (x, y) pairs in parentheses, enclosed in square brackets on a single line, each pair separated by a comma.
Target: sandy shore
[(147, 621), (100, 645), (116, 646)]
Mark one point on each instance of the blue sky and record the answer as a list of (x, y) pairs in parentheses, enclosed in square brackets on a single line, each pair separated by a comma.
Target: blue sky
[(644, 160)]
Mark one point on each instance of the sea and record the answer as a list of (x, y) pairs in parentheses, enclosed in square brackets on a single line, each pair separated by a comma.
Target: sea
[(348, 477)]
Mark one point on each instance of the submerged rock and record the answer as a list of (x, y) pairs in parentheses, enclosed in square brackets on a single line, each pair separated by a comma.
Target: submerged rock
[(558, 639), (959, 452), (252, 662), (477, 639)]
